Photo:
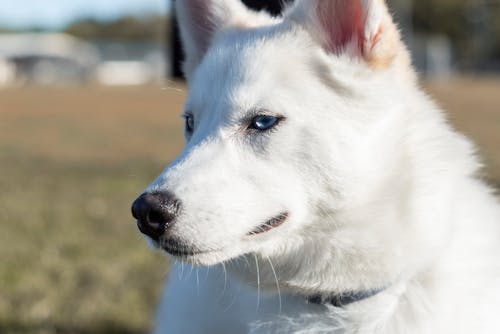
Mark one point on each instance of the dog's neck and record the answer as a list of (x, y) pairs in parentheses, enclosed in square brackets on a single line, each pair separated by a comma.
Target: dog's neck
[(262, 275)]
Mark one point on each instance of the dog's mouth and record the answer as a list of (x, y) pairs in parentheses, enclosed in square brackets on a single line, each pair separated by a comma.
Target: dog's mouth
[(179, 252), (271, 224), (179, 249)]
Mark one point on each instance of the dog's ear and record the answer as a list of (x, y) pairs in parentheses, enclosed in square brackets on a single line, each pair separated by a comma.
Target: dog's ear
[(361, 28), (201, 20)]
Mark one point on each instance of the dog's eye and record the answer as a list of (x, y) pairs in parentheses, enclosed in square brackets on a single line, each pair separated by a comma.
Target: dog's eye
[(264, 122), (189, 120)]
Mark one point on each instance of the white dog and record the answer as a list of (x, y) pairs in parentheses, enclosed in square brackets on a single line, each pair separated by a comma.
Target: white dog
[(324, 189)]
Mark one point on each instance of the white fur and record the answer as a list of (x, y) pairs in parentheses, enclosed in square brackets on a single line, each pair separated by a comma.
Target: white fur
[(381, 191)]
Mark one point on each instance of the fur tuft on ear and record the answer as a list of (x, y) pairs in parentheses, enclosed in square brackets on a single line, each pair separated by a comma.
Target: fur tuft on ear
[(358, 27), (201, 20)]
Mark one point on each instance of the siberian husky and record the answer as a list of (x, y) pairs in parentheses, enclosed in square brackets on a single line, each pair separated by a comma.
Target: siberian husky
[(320, 190)]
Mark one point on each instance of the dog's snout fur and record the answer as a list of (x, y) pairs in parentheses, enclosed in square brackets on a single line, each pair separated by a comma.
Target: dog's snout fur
[(155, 213)]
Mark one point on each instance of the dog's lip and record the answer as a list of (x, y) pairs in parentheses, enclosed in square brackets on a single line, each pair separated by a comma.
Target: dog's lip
[(183, 252), (271, 224), (180, 252)]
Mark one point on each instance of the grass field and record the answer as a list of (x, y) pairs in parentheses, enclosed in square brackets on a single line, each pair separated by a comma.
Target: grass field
[(72, 161)]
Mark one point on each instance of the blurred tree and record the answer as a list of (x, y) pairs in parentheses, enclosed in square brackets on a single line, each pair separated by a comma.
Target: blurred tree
[(473, 26), (127, 29)]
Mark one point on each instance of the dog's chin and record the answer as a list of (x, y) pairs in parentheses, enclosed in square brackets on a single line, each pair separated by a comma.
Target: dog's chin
[(192, 254), (204, 258)]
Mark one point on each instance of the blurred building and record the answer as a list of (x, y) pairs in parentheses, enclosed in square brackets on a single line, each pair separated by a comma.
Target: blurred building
[(45, 59), (60, 59), (7, 72), (130, 63)]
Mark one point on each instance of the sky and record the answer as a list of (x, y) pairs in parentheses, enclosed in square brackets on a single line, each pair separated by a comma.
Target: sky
[(55, 14)]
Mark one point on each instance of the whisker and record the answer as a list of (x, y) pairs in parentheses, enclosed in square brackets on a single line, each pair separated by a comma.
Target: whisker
[(225, 277), (276, 280), (258, 282), (246, 260), (223, 292), (180, 272), (191, 271), (198, 282), (207, 273), (170, 85)]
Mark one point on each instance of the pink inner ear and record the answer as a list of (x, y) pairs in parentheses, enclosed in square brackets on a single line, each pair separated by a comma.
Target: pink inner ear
[(343, 22)]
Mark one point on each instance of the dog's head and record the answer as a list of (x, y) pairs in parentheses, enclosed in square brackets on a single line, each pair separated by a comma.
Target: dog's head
[(293, 128)]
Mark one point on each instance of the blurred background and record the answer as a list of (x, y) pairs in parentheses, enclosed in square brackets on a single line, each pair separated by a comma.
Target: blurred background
[(90, 98)]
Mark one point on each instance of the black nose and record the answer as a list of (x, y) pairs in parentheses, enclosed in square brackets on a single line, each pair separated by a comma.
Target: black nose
[(155, 213)]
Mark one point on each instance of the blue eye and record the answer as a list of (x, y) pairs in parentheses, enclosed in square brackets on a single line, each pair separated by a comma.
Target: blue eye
[(189, 123), (264, 122)]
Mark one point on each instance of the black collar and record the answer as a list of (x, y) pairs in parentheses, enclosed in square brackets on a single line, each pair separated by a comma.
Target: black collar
[(344, 299)]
